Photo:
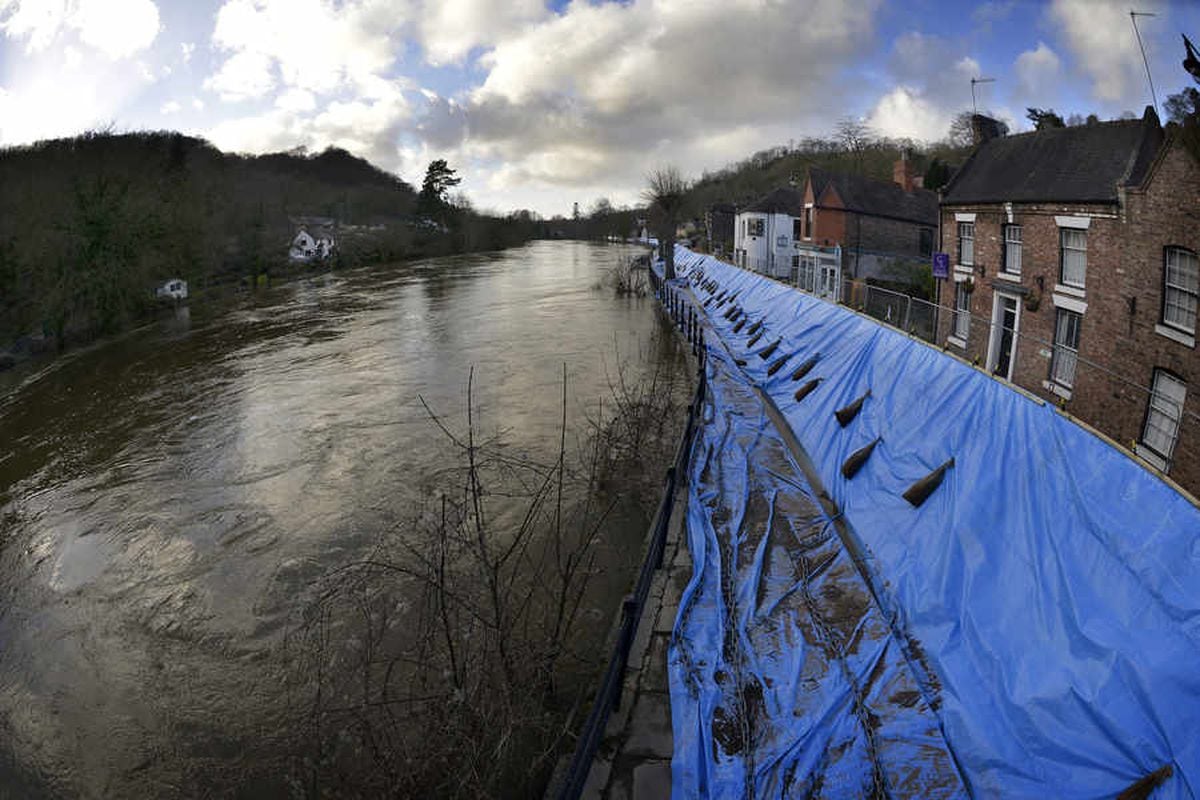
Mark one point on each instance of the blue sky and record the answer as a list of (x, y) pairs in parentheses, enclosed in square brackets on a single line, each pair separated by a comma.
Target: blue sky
[(540, 105)]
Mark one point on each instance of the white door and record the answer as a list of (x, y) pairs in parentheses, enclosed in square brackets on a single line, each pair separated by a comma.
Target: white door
[(828, 288), (1002, 349)]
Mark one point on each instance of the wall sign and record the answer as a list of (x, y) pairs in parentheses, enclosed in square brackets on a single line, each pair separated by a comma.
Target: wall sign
[(941, 265)]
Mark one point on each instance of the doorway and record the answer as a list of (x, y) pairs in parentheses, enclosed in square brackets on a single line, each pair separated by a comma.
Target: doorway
[(1002, 349)]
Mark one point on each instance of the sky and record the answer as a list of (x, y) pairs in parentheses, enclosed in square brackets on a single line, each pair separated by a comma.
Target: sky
[(543, 104)]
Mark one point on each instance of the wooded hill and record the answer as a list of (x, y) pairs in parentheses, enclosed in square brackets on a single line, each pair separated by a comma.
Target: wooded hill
[(90, 225)]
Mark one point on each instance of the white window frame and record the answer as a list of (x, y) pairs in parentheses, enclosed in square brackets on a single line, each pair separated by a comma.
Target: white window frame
[(1183, 294), (809, 216), (1011, 246), (962, 228), (1064, 249), (1164, 414), (962, 314), (1064, 360)]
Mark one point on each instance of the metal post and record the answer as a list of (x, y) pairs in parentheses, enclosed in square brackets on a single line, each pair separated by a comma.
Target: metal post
[(1133, 15), (629, 615)]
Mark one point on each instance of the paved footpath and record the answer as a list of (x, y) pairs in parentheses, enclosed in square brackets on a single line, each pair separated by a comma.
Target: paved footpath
[(634, 760)]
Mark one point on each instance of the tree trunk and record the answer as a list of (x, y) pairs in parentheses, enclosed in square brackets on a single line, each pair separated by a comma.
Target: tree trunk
[(669, 256)]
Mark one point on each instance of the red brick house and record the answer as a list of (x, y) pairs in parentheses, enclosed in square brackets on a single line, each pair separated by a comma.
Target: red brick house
[(879, 226), (1074, 276)]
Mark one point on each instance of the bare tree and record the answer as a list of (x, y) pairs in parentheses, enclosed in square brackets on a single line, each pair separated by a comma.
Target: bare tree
[(855, 136), (665, 193)]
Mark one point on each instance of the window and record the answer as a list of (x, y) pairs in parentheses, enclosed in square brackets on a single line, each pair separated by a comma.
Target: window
[(1073, 263), (1181, 270), (962, 312), (808, 222), (1163, 414), (925, 242), (757, 226), (1066, 347), (796, 228), (1012, 249), (966, 243)]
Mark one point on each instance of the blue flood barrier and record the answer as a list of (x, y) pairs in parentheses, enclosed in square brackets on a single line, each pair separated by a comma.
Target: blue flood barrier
[(1045, 595)]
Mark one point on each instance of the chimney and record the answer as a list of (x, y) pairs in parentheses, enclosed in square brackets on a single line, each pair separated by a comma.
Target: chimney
[(902, 172), (984, 129)]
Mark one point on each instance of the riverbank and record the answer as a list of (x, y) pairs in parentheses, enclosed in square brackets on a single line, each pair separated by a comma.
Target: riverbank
[(40, 346)]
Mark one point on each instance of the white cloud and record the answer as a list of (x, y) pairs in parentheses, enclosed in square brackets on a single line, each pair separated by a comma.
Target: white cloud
[(170, 107), (928, 93), (116, 28), (1099, 35), (296, 100), (316, 45), (449, 29), (599, 93), (244, 76), (186, 49), (905, 113), (1038, 74), (42, 106), (367, 127), (197, 104)]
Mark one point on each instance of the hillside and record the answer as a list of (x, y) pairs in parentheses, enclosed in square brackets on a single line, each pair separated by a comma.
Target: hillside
[(89, 225)]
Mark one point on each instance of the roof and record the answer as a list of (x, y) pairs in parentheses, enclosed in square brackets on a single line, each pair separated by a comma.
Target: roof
[(877, 198), (1086, 163), (783, 200)]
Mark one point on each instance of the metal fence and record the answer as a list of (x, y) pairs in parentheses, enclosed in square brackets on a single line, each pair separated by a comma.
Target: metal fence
[(608, 696), (1157, 427), (1146, 422)]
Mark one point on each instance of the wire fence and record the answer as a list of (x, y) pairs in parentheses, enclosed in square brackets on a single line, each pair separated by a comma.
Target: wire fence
[(1147, 421), (1155, 423)]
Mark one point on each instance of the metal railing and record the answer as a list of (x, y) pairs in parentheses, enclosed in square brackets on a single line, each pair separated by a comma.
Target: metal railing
[(1053, 372), (1131, 414), (608, 696)]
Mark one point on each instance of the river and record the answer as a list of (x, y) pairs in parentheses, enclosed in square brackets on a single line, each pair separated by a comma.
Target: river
[(167, 498)]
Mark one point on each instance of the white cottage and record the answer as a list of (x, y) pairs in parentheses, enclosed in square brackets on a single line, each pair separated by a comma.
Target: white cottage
[(174, 289), (315, 239), (764, 233)]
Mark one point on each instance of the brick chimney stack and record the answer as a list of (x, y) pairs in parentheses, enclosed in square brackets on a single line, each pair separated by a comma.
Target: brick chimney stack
[(903, 173)]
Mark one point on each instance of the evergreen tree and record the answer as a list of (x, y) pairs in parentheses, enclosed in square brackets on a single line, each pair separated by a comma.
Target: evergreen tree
[(439, 180), (1044, 118)]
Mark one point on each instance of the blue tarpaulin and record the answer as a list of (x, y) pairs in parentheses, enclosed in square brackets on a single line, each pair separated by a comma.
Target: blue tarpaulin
[(1030, 630)]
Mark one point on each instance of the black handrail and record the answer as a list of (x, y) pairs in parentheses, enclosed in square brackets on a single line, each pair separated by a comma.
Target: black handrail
[(608, 697)]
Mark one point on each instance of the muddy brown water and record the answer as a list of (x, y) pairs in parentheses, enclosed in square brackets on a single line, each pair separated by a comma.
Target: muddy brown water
[(167, 498)]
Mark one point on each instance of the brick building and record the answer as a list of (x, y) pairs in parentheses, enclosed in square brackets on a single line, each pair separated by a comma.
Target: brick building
[(836, 226), (1074, 276), (885, 230), (718, 228)]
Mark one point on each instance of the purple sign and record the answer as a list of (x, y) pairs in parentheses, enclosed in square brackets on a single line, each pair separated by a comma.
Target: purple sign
[(941, 265)]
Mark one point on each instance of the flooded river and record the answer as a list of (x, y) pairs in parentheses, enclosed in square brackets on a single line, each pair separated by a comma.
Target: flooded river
[(168, 498)]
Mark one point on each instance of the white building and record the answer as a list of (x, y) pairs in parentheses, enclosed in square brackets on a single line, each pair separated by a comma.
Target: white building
[(765, 231), (174, 289), (315, 239)]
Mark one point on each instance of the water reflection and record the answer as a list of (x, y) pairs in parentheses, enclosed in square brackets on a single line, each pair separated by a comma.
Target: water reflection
[(166, 499)]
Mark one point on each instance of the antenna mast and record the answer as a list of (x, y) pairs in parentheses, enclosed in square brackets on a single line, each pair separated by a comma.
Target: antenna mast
[(1133, 15), (974, 81)]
